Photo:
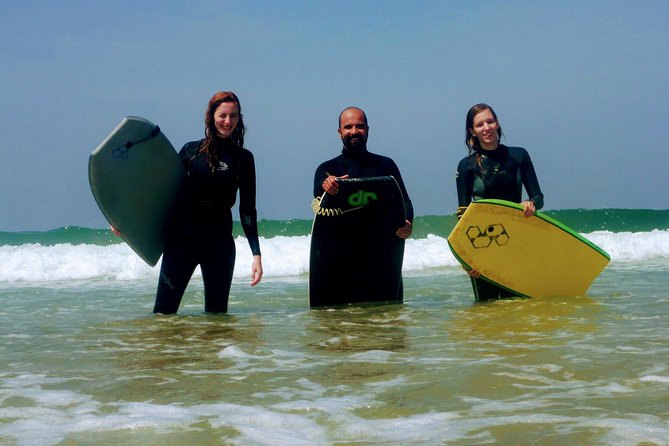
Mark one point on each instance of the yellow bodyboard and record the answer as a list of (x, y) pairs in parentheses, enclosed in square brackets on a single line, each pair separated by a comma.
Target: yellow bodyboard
[(535, 256)]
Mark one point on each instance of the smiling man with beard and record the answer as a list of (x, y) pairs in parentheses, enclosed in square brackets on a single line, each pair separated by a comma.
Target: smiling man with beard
[(362, 220), (356, 162)]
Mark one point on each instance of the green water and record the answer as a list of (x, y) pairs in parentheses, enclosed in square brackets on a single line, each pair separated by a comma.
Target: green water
[(581, 220), (87, 363)]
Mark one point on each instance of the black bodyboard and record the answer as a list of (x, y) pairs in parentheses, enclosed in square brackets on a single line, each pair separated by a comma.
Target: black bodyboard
[(356, 255)]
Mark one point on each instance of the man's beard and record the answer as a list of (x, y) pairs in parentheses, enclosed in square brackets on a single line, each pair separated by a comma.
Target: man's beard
[(359, 145)]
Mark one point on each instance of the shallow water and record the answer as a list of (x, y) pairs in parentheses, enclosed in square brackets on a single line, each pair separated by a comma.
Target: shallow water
[(84, 362)]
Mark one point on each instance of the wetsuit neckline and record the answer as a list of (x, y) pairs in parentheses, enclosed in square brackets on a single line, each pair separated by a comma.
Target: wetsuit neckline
[(354, 153), (482, 151), (492, 154), (223, 143)]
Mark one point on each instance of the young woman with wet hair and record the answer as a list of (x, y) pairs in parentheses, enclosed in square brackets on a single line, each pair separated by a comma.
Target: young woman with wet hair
[(493, 170), (200, 227)]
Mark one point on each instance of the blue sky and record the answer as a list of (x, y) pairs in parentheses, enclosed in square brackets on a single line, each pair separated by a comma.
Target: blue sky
[(583, 85)]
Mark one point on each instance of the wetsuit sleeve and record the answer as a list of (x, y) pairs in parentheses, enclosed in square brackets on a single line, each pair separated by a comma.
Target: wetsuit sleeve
[(332, 167), (247, 201), (336, 166), (531, 182), (187, 152), (464, 181), (408, 206), (319, 177)]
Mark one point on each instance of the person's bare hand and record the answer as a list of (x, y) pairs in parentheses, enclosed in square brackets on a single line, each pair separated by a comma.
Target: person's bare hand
[(330, 184)]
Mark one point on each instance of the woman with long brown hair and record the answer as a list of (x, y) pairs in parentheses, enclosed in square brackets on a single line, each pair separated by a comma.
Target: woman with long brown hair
[(493, 170), (200, 226)]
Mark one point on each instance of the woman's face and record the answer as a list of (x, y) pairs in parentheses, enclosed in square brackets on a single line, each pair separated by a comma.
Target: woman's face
[(226, 118), (485, 128)]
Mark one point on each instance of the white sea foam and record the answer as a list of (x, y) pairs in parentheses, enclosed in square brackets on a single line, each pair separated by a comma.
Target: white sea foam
[(296, 423), (282, 257), (655, 378), (633, 246)]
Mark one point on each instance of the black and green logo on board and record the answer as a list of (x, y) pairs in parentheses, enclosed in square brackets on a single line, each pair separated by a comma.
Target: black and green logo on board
[(361, 198)]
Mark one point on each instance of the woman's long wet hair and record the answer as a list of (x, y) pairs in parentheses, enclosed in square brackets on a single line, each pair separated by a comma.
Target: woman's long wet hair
[(472, 141), (212, 142)]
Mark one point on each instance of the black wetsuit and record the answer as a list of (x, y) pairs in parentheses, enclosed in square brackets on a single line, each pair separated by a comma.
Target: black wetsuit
[(200, 226), (363, 164), (499, 174)]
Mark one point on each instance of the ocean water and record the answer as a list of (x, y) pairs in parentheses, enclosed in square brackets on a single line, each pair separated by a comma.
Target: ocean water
[(83, 360)]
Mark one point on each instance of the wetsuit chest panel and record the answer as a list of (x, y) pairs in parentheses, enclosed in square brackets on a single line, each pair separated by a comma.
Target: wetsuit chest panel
[(363, 166), (219, 186), (498, 176)]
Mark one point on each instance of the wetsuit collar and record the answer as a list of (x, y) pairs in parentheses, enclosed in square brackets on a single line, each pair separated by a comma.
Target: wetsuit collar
[(223, 143), (483, 152), (351, 153)]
